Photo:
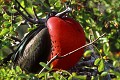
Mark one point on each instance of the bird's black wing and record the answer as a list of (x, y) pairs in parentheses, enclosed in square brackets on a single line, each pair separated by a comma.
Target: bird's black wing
[(36, 50), (21, 46), (24, 42)]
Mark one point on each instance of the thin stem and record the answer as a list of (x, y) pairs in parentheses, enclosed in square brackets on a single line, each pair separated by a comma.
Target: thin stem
[(49, 62), (64, 12), (35, 14), (27, 18), (81, 47), (59, 57), (23, 9)]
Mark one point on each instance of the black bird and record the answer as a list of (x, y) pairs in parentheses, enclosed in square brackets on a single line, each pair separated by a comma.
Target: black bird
[(34, 48)]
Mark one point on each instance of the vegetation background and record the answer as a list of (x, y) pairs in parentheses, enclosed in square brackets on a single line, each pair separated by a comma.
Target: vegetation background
[(96, 16)]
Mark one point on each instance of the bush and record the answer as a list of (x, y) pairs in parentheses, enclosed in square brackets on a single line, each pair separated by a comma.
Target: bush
[(96, 16)]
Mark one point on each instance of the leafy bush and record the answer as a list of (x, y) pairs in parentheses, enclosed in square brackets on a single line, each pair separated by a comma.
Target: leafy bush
[(96, 16)]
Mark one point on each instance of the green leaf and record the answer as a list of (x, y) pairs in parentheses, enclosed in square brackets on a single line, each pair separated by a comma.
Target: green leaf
[(104, 73), (91, 4), (41, 75), (22, 76), (7, 24), (44, 65), (12, 11), (106, 48), (28, 3), (5, 16), (2, 71), (87, 53), (56, 76), (97, 61), (30, 11), (96, 11), (98, 34), (58, 3), (70, 77), (76, 77), (117, 45), (18, 69), (11, 29), (101, 66), (116, 63), (109, 10), (4, 31)]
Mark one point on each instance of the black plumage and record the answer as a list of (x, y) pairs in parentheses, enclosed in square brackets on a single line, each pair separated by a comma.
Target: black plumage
[(34, 48)]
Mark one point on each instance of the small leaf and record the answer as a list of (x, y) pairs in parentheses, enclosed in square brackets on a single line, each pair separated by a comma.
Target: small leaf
[(98, 34), (58, 4), (109, 10), (5, 16), (40, 75), (70, 77), (18, 69), (116, 63), (2, 71), (22, 75), (44, 65), (106, 49), (4, 31), (91, 4), (56, 76), (30, 11), (7, 24), (104, 73), (97, 61), (87, 53), (101, 65)]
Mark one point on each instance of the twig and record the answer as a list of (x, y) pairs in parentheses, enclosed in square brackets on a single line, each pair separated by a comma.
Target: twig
[(59, 57), (64, 12), (27, 18), (23, 9), (81, 47), (48, 63), (35, 14)]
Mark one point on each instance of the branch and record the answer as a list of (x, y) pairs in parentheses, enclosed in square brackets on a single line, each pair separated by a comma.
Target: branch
[(59, 57), (64, 12), (23, 9), (27, 18), (35, 14), (48, 63), (81, 47)]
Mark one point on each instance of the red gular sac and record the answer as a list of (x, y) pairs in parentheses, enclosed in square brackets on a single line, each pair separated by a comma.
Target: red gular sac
[(66, 35)]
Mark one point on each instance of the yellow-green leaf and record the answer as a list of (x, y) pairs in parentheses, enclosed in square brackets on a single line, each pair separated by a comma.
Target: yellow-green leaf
[(87, 53), (104, 73), (97, 61), (101, 66)]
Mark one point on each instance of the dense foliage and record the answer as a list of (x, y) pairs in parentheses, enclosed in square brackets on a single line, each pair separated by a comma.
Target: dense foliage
[(96, 16)]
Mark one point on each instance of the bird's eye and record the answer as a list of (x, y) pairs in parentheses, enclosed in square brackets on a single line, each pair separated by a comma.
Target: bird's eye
[(52, 14)]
